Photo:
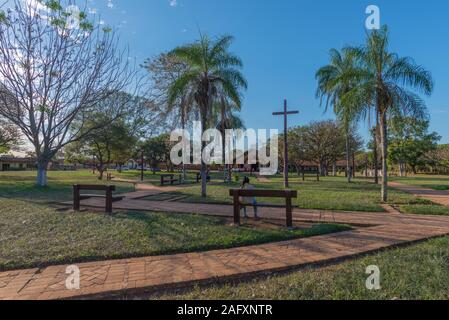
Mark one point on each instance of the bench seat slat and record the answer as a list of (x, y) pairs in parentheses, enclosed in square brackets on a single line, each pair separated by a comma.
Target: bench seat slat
[(264, 193), (266, 205), (95, 187), (88, 196)]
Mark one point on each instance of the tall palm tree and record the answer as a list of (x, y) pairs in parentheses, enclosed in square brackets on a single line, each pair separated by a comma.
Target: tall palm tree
[(335, 80), (213, 71), (387, 80)]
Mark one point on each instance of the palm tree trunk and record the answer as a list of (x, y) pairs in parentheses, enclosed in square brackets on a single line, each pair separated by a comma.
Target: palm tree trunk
[(384, 142), (376, 157), (223, 135), (204, 113), (348, 165), (203, 164), (183, 124)]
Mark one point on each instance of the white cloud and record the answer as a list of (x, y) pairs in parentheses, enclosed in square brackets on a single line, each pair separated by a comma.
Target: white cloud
[(173, 3)]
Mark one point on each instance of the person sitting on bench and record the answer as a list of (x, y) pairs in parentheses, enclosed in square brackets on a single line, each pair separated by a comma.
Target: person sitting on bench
[(248, 200)]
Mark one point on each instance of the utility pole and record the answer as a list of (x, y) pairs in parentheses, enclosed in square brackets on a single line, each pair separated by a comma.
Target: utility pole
[(285, 113)]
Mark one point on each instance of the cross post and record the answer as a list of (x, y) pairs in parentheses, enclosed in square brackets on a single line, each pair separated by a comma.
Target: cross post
[(285, 113)]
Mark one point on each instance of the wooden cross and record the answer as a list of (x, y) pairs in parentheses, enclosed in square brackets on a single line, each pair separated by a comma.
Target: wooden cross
[(285, 113)]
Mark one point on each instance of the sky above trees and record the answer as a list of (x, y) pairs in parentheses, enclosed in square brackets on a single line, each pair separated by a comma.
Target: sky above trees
[(283, 43)]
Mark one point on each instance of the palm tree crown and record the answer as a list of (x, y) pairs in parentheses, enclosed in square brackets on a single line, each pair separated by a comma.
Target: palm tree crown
[(335, 80), (213, 75)]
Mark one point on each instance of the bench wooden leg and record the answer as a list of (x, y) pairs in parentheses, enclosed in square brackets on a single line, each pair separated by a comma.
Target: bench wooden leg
[(109, 201), (236, 210), (289, 212), (76, 198)]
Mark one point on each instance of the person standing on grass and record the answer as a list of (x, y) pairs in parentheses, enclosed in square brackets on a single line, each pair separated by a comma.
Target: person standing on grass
[(248, 200)]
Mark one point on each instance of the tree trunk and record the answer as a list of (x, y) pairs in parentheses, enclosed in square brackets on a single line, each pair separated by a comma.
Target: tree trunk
[(334, 169), (203, 164), (384, 142), (376, 157), (101, 172), (348, 165), (366, 167), (402, 169), (354, 169), (41, 179), (183, 124)]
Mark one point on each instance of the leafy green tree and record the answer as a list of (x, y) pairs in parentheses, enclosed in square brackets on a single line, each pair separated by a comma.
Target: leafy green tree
[(439, 158), (111, 132), (297, 155), (409, 141), (224, 117), (213, 73), (157, 150), (390, 83), (9, 137), (321, 142), (111, 143)]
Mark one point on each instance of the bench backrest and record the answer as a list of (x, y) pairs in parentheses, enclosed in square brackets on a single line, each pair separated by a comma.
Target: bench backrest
[(264, 193), (94, 187)]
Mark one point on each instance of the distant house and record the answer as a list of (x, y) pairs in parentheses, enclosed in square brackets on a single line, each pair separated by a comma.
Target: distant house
[(11, 163)]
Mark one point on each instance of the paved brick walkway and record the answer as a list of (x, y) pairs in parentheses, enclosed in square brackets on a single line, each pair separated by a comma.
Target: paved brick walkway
[(436, 196), (108, 278)]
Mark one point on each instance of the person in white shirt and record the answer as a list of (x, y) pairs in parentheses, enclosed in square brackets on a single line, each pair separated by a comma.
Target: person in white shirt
[(248, 200)]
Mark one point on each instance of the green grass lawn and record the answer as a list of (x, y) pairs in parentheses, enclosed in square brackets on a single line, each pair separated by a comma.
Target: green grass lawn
[(416, 272), (34, 234), (439, 183), (426, 181), (436, 210), (22, 185), (331, 193)]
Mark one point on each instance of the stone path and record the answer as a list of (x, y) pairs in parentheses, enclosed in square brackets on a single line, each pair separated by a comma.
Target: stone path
[(436, 196), (144, 190), (133, 276)]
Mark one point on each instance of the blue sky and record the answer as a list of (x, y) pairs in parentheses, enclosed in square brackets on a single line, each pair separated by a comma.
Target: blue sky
[(284, 42)]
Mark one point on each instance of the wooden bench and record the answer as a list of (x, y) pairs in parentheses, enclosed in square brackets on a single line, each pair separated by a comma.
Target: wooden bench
[(287, 194), (170, 178), (311, 173), (78, 197), (198, 177)]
